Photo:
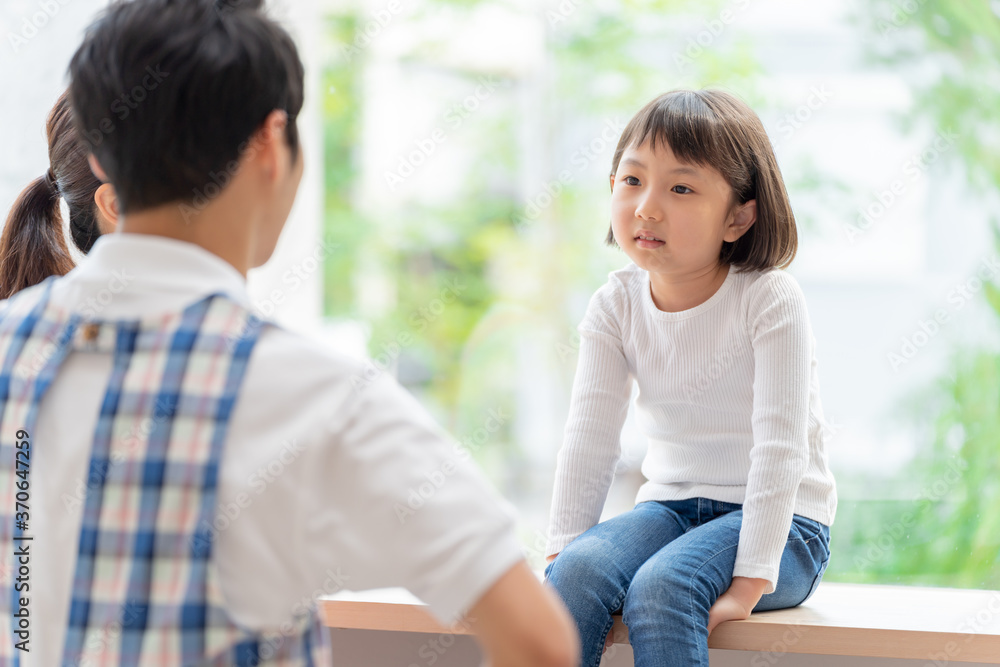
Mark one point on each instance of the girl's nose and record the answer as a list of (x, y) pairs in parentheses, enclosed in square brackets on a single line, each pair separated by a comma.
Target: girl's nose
[(647, 209)]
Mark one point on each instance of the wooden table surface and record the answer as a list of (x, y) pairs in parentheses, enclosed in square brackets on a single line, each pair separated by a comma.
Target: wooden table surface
[(943, 624)]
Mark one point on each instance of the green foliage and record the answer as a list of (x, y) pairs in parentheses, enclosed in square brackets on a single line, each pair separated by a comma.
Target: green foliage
[(442, 291), (952, 50), (950, 535), (461, 359), (341, 124), (521, 278)]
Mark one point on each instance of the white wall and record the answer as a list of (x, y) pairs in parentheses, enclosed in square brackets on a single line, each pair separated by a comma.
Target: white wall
[(33, 75)]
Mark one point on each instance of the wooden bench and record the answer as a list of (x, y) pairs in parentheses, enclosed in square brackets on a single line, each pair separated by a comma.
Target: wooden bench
[(934, 624)]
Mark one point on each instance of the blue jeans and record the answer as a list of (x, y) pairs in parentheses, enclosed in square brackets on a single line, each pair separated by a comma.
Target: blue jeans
[(662, 565)]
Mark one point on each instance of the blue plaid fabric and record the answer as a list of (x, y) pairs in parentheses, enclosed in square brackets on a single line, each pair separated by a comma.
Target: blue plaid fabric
[(146, 590)]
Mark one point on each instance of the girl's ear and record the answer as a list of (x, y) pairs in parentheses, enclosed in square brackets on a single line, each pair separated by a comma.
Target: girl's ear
[(612, 182), (742, 220), (107, 207)]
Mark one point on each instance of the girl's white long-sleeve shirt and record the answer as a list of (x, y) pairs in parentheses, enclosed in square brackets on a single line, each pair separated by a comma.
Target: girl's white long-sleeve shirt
[(728, 399)]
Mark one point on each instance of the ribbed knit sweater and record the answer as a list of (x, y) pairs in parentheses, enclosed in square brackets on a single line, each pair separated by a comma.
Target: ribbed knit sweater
[(728, 399)]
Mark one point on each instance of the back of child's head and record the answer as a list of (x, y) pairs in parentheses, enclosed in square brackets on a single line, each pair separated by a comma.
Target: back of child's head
[(717, 129), (33, 245), (168, 93)]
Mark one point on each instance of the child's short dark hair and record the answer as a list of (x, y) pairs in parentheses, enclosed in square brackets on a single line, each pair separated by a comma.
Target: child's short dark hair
[(167, 93), (716, 129)]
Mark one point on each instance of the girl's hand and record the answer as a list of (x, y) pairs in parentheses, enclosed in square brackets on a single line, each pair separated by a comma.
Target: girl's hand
[(737, 602), (551, 558), (608, 641)]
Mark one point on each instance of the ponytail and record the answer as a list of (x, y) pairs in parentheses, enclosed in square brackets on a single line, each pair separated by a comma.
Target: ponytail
[(33, 246), (83, 226)]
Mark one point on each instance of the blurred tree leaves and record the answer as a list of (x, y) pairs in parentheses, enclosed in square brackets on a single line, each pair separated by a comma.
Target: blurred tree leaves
[(949, 535), (520, 275)]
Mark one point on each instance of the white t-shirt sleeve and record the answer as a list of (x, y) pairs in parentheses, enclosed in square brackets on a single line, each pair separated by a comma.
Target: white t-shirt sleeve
[(779, 330), (405, 507), (591, 447)]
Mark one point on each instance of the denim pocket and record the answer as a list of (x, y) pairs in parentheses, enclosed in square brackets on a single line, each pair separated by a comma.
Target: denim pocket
[(815, 583), (808, 529)]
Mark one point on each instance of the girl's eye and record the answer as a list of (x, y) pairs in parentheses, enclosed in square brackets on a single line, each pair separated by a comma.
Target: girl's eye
[(678, 189), (631, 180)]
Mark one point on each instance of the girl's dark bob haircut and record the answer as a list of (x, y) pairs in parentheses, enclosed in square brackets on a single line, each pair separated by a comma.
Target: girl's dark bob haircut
[(716, 129)]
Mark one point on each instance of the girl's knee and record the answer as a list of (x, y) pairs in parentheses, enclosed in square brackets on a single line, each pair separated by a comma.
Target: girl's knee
[(579, 562), (656, 585), (585, 578), (672, 584)]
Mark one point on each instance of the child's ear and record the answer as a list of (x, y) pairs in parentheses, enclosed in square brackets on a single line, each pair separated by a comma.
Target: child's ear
[(107, 204), (743, 218), (612, 182), (271, 144)]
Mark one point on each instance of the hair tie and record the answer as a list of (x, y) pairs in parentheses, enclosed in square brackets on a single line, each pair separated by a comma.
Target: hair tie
[(50, 180)]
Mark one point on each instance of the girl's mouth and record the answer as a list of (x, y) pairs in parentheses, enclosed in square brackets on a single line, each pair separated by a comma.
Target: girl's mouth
[(646, 240)]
